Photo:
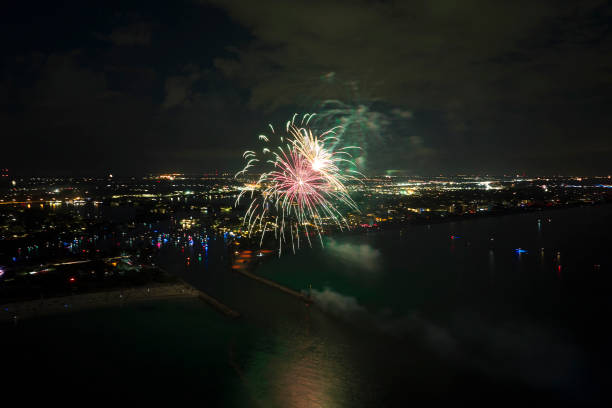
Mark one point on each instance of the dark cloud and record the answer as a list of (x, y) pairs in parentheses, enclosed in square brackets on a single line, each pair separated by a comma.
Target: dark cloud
[(498, 75), (440, 86), (69, 114), (134, 34), (179, 89), (116, 96), (83, 124)]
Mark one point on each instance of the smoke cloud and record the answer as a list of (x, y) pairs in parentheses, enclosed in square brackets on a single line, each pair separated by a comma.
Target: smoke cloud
[(542, 357), (362, 256)]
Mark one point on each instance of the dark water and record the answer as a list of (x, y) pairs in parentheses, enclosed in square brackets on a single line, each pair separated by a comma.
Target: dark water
[(400, 318)]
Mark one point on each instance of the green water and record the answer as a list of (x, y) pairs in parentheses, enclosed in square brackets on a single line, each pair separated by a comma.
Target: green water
[(398, 319)]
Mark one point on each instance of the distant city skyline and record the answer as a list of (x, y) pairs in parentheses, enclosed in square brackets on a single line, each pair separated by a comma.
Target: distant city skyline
[(7, 173)]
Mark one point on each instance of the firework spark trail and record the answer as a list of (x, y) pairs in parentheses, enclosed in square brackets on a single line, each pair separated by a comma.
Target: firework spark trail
[(306, 180), (360, 123)]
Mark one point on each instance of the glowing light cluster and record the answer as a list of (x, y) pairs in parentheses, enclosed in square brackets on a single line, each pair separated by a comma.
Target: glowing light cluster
[(302, 181)]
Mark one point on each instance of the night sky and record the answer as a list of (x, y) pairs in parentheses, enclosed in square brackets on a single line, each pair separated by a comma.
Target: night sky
[(474, 86)]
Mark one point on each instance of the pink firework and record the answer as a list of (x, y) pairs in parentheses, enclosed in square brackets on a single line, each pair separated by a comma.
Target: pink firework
[(299, 193)]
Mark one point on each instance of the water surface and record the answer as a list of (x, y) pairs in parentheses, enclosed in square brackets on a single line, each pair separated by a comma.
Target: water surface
[(440, 313)]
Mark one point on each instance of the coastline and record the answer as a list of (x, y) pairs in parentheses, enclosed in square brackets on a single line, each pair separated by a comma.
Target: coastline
[(477, 216), (13, 312)]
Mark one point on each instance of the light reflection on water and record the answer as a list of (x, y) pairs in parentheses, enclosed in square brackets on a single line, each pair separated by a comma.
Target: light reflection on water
[(300, 371)]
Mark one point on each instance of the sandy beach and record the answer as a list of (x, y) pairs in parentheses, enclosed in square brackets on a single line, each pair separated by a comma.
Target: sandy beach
[(41, 307)]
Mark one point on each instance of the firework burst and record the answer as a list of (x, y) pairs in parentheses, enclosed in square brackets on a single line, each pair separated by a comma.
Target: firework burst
[(302, 183)]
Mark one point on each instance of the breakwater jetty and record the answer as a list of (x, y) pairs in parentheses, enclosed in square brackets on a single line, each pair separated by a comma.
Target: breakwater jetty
[(305, 298), (220, 307)]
